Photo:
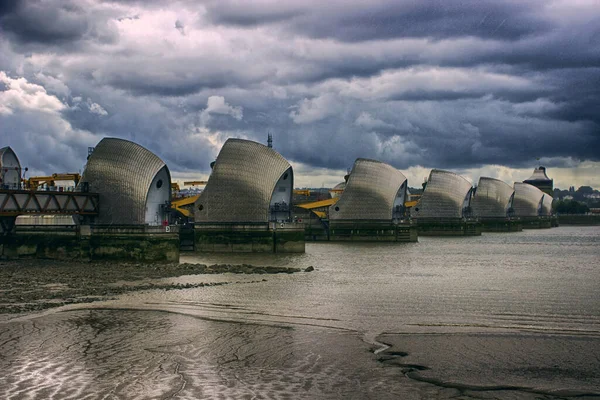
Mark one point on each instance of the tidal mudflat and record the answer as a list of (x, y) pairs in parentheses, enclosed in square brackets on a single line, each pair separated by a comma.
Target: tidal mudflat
[(507, 315)]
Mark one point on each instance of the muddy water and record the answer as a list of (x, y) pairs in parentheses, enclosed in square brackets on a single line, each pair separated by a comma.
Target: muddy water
[(498, 316)]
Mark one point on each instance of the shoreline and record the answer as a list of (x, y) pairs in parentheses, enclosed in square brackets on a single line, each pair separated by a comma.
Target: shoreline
[(35, 285)]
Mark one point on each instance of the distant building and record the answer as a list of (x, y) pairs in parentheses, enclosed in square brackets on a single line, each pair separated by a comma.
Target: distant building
[(540, 180)]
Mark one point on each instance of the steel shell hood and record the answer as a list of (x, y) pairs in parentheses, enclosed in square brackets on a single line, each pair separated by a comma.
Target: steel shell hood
[(547, 204), (10, 169), (445, 196), (527, 201), (242, 183), (122, 173), (8, 151), (492, 199), (370, 193)]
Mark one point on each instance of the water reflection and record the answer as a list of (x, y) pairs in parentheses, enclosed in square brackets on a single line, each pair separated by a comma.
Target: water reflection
[(460, 314)]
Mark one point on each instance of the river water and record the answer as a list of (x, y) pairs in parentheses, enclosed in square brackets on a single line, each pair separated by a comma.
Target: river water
[(503, 315)]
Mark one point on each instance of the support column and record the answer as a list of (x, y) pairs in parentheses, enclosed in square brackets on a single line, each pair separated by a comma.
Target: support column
[(7, 225)]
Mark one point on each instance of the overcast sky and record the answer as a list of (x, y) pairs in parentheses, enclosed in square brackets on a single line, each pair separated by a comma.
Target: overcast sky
[(475, 86)]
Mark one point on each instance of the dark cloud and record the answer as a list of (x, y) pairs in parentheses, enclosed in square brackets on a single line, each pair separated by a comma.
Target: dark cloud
[(438, 84), (52, 22), (359, 21), (8, 6)]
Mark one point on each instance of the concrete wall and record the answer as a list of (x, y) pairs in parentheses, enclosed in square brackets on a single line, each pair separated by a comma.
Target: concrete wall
[(91, 243), (449, 227), (249, 238), (372, 231), (538, 222), (501, 225), (579, 219)]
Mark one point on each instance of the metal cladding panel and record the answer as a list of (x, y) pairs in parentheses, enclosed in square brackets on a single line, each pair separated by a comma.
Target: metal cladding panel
[(443, 196), (121, 172), (491, 198), (241, 184), (539, 174), (369, 193), (10, 172), (527, 200), (5, 150), (547, 204)]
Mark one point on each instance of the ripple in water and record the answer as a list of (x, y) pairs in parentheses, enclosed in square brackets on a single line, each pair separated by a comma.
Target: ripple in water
[(498, 316)]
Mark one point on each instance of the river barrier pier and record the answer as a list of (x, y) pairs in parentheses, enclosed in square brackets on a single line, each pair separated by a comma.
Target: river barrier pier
[(125, 207)]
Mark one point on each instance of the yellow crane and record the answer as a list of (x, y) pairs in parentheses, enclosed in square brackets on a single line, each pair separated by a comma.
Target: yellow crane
[(195, 183), (302, 192), (35, 182), (184, 205)]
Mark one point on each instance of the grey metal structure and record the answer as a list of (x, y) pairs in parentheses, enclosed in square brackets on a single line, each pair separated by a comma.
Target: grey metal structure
[(528, 200), (493, 198), (446, 195), (547, 204), (250, 182), (375, 191), (336, 188), (133, 183), (539, 174), (10, 169)]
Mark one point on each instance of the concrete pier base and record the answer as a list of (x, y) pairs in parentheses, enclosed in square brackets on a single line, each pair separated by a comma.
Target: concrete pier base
[(501, 225), (93, 243), (448, 227), (574, 219), (538, 222), (249, 238), (372, 231)]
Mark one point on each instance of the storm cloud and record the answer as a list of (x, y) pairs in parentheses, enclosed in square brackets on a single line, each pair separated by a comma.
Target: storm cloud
[(470, 85)]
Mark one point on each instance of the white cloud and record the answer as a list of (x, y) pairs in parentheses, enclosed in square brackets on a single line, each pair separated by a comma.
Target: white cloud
[(35, 127), (366, 120), (22, 95), (401, 82), (218, 105), (315, 109), (537, 107), (96, 108)]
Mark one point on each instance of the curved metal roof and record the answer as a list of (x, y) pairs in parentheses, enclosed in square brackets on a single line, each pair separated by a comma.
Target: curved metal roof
[(527, 200), (369, 193), (339, 186), (444, 196), (547, 204), (492, 198), (121, 172), (539, 174), (241, 184), (10, 169), (5, 150)]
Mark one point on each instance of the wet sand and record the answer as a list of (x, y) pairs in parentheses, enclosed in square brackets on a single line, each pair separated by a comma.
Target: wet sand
[(34, 285), (492, 317), (548, 365)]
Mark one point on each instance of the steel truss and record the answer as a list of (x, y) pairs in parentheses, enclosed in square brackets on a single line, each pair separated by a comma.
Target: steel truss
[(25, 202)]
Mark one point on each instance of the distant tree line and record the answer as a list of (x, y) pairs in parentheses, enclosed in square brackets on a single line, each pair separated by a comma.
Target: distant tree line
[(570, 207), (584, 194)]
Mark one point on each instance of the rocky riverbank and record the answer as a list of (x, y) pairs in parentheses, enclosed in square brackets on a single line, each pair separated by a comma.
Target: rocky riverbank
[(32, 285)]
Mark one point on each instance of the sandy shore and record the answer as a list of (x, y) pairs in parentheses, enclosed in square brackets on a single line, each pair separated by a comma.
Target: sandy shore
[(32, 285)]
